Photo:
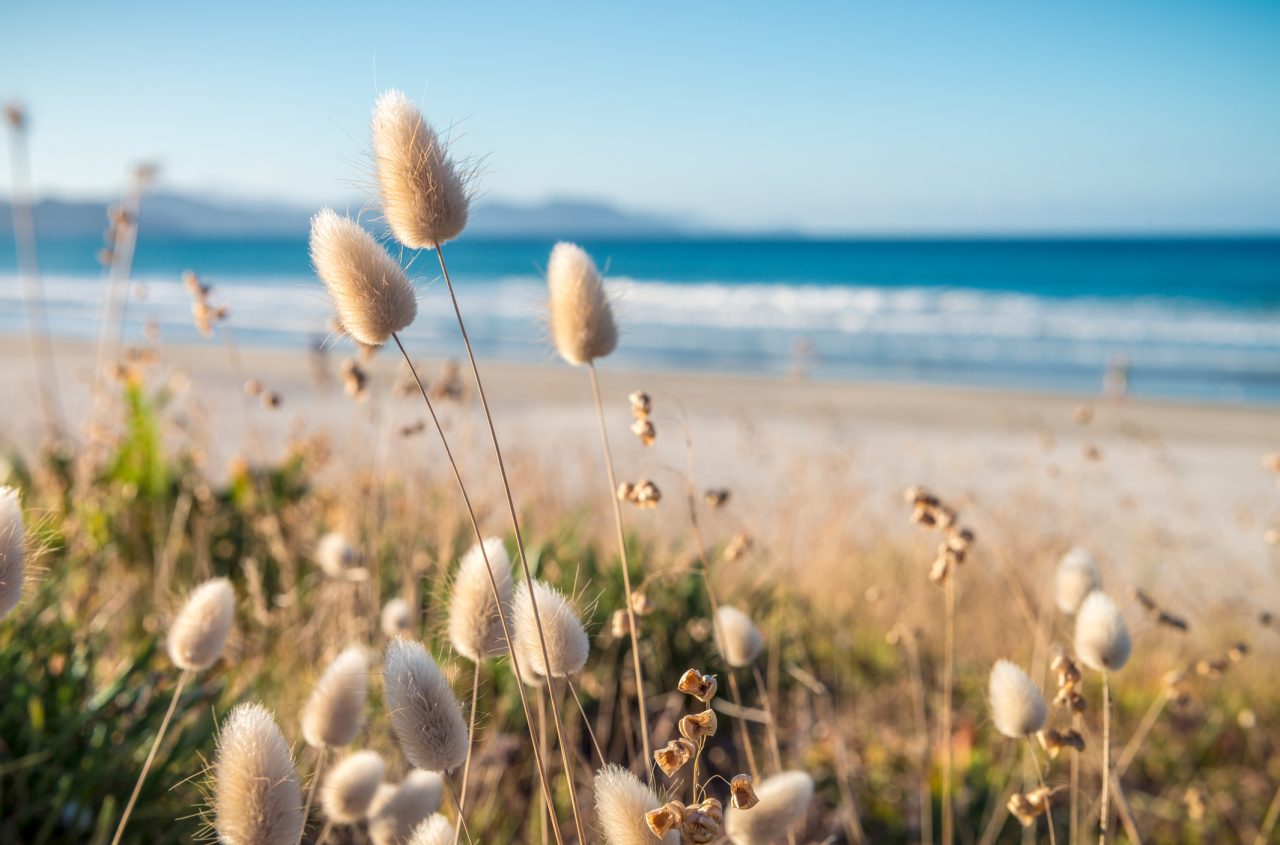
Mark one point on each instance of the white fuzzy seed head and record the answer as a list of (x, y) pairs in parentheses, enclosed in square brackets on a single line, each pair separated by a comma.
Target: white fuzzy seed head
[(424, 195), (425, 715), (474, 624), (784, 800), (369, 289), (1017, 706), (436, 830), (337, 557), (349, 787), (621, 802), (398, 619), (335, 711), (739, 639), (397, 810), (1102, 639), (1077, 577), (199, 633), (12, 550), (257, 800), (582, 326), (567, 643)]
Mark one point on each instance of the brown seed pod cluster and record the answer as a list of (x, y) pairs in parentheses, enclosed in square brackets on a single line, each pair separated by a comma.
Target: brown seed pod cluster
[(1026, 807), (700, 823), (641, 408), (1069, 683), (1157, 613), (716, 498), (738, 547), (698, 685), (205, 314), (1053, 741), (930, 512), (694, 728), (643, 493), (354, 379)]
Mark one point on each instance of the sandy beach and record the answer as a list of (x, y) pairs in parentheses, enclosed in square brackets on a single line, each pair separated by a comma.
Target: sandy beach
[(1161, 489)]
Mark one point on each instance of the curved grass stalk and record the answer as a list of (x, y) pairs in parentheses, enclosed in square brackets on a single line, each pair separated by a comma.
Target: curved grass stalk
[(471, 745)]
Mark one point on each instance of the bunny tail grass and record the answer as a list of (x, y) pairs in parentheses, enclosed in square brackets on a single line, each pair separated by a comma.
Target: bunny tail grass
[(13, 538), (515, 527), (199, 632), (349, 787), (370, 291), (539, 758), (257, 800), (424, 713), (335, 711), (582, 325), (645, 741), (1018, 709), (784, 798), (621, 803), (424, 194)]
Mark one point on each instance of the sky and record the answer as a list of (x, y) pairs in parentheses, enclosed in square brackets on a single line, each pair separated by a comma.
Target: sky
[(821, 117)]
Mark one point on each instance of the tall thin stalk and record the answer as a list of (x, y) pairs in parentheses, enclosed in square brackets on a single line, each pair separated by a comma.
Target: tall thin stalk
[(311, 790), (626, 575), (948, 683), (493, 584), (1105, 811), (1074, 833), (1048, 810), (151, 755), (471, 745), (515, 526), (22, 206)]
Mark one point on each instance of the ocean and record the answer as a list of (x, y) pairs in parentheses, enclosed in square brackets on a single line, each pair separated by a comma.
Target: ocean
[(1182, 318)]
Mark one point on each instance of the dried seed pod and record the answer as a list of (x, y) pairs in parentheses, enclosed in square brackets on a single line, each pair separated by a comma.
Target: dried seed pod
[(743, 791), (665, 819), (738, 547), (626, 810), (784, 799), (703, 823), (641, 604), (716, 498), (641, 404), (698, 685), (620, 624), (672, 757), (644, 430), (698, 726)]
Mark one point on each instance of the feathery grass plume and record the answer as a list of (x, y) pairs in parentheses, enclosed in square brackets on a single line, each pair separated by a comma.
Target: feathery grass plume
[(784, 799), (567, 643), (424, 195), (257, 800), (199, 633), (337, 557), (349, 788), (474, 627), (397, 810), (335, 711), (434, 831), (582, 326), (369, 289), (425, 715), (1017, 707), (397, 619), (1102, 640), (1077, 577), (12, 553), (621, 802), (739, 639)]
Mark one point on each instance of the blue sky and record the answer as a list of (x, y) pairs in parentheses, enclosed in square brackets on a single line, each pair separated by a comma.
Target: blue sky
[(839, 117)]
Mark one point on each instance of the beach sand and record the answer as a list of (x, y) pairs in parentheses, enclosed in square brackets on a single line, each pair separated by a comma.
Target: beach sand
[(1164, 491)]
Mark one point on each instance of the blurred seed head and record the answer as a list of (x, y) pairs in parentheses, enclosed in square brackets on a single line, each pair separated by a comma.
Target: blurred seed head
[(784, 800), (567, 643), (334, 713), (425, 715), (13, 537), (1017, 706), (199, 633), (349, 787), (475, 626), (622, 802), (740, 641), (1102, 639)]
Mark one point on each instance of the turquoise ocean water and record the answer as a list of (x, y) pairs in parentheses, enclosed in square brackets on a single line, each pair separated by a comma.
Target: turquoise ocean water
[(1188, 318)]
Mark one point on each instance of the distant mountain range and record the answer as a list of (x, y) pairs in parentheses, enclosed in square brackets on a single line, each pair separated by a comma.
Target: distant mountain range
[(181, 215)]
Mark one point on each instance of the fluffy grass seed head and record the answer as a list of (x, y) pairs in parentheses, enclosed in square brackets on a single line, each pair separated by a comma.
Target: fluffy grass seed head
[(424, 193), (621, 803), (783, 800), (397, 619), (582, 326), (1077, 577), (369, 289), (739, 639), (567, 643), (425, 715), (1017, 706), (1102, 639), (436, 830), (199, 632), (338, 558), (257, 800), (12, 550), (474, 624), (335, 711), (398, 809), (349, 787)]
